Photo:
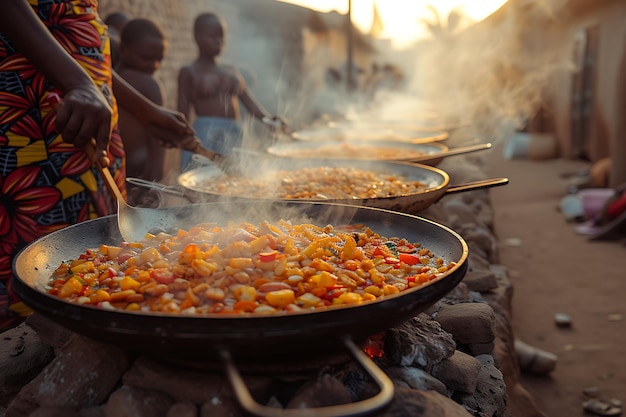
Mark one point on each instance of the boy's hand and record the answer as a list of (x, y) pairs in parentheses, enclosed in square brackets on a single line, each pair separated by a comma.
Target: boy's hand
[(277, 123), (170, 127)]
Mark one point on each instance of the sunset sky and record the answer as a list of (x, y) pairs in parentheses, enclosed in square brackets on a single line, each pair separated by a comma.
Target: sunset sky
[(400, 18)]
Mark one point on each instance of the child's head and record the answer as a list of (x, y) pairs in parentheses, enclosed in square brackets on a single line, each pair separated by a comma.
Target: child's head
[(116, 21), (209, 31), (142, 46)]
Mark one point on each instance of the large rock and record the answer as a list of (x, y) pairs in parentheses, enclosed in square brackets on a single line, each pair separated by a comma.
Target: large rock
[(186, 385), (416, 403), (180, 384), (416, 378), (183, 409), (418, 342), (54, 412), (481, 281), (49, 331), (459, 372), (469, 323), (22, 356), (136, 402), (489, 397), (83, 374), (324, 391)]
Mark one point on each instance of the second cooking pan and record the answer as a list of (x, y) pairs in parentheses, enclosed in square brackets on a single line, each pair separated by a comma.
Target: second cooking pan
[(197, 183)]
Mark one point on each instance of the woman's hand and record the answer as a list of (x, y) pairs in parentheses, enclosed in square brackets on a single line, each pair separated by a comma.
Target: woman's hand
[(83, 115)]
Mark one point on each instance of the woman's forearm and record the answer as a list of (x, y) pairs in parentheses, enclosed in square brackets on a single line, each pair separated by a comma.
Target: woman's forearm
[(32, 38)]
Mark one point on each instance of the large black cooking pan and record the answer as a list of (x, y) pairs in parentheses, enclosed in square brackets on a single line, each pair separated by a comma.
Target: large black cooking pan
[(243, 335), (437, 182), (281, 338)]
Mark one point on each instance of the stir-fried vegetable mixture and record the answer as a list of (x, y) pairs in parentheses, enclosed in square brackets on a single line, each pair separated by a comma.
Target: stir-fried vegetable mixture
[(245, 268)]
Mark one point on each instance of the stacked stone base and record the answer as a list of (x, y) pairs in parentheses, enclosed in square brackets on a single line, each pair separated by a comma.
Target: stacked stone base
[(455, 359)]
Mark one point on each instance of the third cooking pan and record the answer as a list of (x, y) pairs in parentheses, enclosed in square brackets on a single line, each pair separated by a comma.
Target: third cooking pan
[(371, 150)]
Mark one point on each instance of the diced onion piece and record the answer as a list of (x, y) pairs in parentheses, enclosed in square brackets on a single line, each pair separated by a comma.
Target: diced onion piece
[(245, 293), (150, 255), (308, 300), (241, 263)]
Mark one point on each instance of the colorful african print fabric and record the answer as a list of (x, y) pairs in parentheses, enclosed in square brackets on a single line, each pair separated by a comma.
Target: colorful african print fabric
[(45, 183)]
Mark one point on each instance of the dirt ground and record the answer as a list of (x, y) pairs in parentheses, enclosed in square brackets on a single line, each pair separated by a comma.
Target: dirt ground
[(554, 270)]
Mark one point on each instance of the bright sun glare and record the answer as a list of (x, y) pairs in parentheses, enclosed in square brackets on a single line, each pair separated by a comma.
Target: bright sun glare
[(401, 18)]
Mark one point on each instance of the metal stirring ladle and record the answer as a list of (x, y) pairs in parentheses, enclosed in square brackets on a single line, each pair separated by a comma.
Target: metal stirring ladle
[(133, 222)]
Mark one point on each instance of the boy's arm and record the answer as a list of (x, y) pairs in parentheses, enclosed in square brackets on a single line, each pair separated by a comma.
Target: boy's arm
[(184, 91), (172, 127), (274, 122), (147, 85), (253, 106)]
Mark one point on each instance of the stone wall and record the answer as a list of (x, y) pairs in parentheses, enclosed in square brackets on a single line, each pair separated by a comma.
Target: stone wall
[(176, 19)]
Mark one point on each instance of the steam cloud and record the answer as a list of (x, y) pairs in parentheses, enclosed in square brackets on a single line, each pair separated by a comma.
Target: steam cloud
[(494, 75)]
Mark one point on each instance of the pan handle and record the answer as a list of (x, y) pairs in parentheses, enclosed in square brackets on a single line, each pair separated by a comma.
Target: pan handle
[(451, 152), (476, 185), (155, 186), (361, 408)]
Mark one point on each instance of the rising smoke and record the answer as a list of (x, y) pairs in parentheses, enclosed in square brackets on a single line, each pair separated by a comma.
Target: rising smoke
[(494, 75), (499, 73)]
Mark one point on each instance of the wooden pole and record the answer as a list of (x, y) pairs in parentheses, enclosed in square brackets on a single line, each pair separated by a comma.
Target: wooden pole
[(350, 63), (617, 174)]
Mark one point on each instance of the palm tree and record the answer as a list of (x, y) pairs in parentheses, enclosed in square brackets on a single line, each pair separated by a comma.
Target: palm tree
[(437, 28)]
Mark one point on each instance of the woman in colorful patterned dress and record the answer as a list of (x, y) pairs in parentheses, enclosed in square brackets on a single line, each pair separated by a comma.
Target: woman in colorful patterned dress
[(47, 181)]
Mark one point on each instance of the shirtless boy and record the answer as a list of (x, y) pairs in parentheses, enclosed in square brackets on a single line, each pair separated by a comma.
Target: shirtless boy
[(213, 92), (142, 47)]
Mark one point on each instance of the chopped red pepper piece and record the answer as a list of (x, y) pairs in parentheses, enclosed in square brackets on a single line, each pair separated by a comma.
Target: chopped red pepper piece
[(379, 252), (409, 258), (268, 256), (58, 282)]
